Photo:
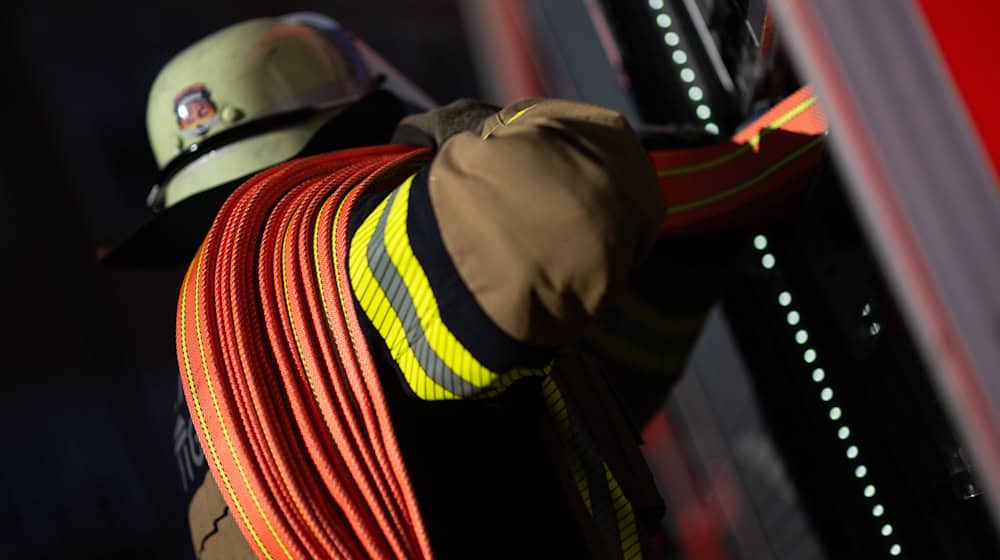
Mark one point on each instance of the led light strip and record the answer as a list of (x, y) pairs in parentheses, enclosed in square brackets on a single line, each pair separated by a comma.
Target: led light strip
[(680, 57), (826, 394)]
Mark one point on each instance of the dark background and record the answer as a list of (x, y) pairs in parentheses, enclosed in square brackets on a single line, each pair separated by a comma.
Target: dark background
[(89, 376)]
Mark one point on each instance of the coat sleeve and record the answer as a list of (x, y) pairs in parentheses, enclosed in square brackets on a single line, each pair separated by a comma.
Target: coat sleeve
[(545, 212), (506, 246)]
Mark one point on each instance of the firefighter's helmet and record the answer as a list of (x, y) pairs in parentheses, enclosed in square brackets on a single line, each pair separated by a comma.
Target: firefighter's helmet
[(245, 98)]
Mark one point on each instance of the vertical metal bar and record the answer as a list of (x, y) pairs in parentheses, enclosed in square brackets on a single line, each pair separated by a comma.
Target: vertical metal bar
[(919, 180)]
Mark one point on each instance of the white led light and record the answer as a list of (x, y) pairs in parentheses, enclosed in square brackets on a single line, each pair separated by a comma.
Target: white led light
[(687, 75), (852, 452), (878, 510), (874, 329), (656, 4), (695, 93), (819, 374), (793, 317), (861, 471), (784, 298), (680, 57), (866, 310), (869, 491), (886, 530), (826, 394), (835, 413), (809, 356), (844, 432), (703, 112), (663, 20), (895, 550), (801, 336), (767, 261), (760, 242), (712, 128), (671, 38)]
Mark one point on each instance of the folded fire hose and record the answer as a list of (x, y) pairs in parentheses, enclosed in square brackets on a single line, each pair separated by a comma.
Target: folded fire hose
[(277, 373)]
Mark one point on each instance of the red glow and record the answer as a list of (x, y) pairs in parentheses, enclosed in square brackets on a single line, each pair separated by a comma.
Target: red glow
[(966, 38)]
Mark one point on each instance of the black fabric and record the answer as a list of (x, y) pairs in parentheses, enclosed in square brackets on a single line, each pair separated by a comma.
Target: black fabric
[(675, 137), (363, 208), (172, 236), (481, 471), (192, 464)]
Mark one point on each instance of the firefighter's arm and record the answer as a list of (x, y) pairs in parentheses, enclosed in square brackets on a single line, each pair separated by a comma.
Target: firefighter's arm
[(545, 212), (506, 245)]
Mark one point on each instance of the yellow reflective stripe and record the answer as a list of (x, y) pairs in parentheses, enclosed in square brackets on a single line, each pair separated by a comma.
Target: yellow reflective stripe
[(519, 114), (504, 381), (440, 337), (488, 130), (557, 410), (201, 417), (440, 367), (376, 306), (695, 204), (569, 435), (628, 531), (746, 147)]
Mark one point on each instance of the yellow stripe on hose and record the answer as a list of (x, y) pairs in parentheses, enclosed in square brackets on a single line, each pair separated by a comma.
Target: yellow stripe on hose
[(291, 315), (717, 197), (197, 403), (750, 144)]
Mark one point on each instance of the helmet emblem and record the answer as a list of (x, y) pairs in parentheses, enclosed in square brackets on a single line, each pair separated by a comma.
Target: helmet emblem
[(196, 113)]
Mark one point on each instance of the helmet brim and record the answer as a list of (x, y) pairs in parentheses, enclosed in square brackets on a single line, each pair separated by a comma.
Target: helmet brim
[(172, 237)]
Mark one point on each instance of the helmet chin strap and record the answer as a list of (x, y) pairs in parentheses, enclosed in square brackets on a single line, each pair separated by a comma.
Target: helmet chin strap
[(288, 112), (304, 108)]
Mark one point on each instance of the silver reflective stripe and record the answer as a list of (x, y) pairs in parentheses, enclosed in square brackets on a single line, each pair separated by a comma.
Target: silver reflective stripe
[(391, 282)]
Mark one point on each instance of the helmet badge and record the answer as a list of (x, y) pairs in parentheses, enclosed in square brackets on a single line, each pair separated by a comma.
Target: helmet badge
[(196, 112)]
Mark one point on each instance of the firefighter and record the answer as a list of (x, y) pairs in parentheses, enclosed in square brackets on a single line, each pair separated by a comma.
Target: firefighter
[(472, 272), (405, 334)]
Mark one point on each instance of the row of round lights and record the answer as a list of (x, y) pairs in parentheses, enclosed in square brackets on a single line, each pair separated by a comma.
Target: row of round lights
[(826, 394), (680, 57)]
